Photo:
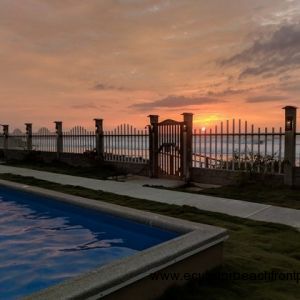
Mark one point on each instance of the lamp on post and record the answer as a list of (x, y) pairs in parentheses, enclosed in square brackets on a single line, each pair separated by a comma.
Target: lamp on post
[(290, 144)]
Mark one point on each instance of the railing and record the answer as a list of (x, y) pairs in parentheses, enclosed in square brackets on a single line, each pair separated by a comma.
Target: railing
[(238, 147), (17, 140), (229, 146), (44, 140), (126, 144), (78, 140), (123, 144)]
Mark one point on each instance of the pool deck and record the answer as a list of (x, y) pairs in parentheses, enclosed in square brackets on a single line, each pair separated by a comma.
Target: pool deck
[(238, 208)]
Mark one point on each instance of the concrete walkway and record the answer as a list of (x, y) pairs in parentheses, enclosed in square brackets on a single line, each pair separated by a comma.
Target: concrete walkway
[(243, 209)]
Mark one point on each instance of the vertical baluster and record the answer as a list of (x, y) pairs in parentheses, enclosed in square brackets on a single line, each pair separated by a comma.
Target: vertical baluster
[(111, 146), (162, 139), (280, 151), (233, 141), (227, 144), (81, 141), (194, 148), (205, 157), (115, 146), (113, 143), (168, 153), (239, 146), (122, 143), (273, 154), (252, 144), (132, 150), (266, 149), (126, 142), (136, 151), (221, 156), (67, 136), (210, 148), (86, 145), (216, 146), (176, 166), (145, 139), (140, 145), (266, 141), (74, 135), (200, 147), (246, 145), (172, 153), (258, 149)]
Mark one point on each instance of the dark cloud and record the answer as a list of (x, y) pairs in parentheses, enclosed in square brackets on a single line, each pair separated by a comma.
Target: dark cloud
[(265, 98), (289, 86), (84, 106), (175, 101), (228, 92), (272, 56), (105, 87)]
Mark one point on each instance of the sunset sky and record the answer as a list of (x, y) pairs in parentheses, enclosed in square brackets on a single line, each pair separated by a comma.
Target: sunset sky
[(75, 60)]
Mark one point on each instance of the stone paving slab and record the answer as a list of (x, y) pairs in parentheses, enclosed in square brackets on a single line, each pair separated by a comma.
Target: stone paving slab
[(285, 216), (238, 208)]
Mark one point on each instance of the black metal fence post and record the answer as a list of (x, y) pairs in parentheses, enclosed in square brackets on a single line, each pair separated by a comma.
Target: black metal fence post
[(290, 144), (99, 138), (59, 138), (5, 136), (188, 145), (28, 136), (153, 145)]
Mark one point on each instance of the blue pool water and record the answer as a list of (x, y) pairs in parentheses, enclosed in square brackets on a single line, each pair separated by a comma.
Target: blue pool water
[(43, 241)]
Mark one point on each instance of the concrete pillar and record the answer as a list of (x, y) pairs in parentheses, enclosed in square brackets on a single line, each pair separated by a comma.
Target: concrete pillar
[(153, 145), (5, 136), (28, 136), (290, 144), (59, 138), (188, 144), (99, 138)]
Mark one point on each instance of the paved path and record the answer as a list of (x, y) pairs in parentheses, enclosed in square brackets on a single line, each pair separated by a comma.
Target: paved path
[(243, 209)]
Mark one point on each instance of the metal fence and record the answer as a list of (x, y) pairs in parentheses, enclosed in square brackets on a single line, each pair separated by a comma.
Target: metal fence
[(78, 140), (237, 146), (126, 144), (17, 140), (123, 144), (231, 145), (44, 140)]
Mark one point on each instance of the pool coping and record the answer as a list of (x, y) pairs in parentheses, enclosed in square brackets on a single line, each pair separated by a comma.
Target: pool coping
[(104, 280)]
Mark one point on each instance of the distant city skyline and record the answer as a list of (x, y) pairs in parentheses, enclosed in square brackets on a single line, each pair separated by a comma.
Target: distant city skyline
[(122, 60)]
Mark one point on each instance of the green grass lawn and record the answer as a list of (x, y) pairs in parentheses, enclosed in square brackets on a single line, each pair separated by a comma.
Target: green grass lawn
[(248, 191), (252, 247), (98, 172), (257, 192)]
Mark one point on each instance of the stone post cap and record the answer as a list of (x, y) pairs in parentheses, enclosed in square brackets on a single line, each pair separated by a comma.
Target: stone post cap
[(153, 118), (290, 107)]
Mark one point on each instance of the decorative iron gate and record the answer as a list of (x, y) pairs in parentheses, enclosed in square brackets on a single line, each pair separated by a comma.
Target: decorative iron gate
[(170, 148)]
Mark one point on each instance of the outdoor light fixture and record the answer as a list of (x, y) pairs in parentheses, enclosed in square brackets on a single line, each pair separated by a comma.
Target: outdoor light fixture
[(290, 118), (289, 124)]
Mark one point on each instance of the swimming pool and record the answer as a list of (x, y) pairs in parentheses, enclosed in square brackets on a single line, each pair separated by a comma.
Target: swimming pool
[(60, 246), (44, 242)]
